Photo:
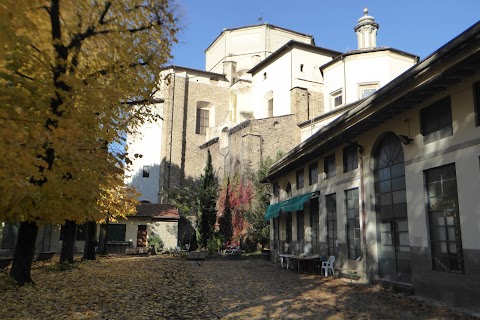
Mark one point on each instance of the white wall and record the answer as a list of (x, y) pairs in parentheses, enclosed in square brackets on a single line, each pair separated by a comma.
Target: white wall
[(242, 44), (146, 142), (378, 67)]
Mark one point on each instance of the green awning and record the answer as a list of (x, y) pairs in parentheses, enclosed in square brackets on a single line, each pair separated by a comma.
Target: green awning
[(273, 210), (296, 204)]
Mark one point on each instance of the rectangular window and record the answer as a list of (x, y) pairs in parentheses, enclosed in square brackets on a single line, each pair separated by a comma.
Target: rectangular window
[(353, 223), (300, 225), (330, 168), (476, 96), (367, 89), (314, 223), (331, 204), (337, 98), (203, 121), (116, 232), (270, 107), (300, 175), (276, 232), (350, 158), (437, 120), (146, 171), (288, 227), (313, 173), (444, 219)]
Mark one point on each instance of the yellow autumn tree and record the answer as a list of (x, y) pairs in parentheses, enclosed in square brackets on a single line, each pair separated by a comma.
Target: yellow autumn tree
[(75, 77)]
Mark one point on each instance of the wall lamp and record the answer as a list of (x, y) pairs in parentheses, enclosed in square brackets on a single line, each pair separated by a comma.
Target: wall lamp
[(404, 139)]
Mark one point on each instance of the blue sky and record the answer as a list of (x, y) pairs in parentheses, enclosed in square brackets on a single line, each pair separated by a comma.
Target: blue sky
[(418, 27)]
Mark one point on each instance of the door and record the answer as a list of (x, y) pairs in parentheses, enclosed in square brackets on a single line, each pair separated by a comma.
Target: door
[(391, 211), (142, 236)]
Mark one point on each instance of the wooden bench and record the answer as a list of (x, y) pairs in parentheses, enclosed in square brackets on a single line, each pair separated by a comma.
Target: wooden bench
[(44, 257), (350, 272), (4, 263)]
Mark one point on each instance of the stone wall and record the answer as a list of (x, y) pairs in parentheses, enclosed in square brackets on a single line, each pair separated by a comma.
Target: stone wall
[(182, 161), (305, 104), (251, 142)]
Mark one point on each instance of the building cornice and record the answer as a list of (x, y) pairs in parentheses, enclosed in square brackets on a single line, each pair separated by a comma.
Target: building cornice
[(292, 44), (266, 25), (365, 51)]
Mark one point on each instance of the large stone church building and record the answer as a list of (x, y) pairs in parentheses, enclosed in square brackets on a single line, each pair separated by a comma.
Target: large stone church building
[(264, 90)]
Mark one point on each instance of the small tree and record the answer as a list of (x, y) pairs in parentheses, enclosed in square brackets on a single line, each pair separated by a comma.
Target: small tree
[(225, 220), (206, 201)]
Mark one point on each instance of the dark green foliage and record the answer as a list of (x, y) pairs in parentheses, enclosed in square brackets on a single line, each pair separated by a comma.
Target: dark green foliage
[(181, 197), (156, 241), (259, 230), (225, 221), (206, 201)]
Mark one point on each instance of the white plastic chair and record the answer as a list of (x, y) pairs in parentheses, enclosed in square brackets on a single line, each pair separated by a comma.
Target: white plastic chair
[(328, 265)]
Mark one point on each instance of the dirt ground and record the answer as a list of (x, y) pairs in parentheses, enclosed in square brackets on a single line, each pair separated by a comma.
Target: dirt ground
[(162, 287), (256, 289)]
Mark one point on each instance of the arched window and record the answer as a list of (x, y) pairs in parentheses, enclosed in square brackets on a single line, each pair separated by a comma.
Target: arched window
[(393, 247), (288, 189), (224, 138)]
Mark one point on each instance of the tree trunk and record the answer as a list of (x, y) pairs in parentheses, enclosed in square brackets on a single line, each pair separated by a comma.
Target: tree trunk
[(24, 252), (90, 241), (68, 244), (103, 238)]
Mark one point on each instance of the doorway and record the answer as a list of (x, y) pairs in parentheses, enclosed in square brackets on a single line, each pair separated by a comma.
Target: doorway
[(142, 236)]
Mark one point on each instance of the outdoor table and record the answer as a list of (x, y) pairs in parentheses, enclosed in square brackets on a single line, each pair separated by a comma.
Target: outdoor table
[(298, 260), (304, 260), (286, 258)]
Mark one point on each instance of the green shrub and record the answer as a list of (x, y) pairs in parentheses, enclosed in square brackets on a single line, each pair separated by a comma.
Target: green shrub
[(156, 241), (216, 244)]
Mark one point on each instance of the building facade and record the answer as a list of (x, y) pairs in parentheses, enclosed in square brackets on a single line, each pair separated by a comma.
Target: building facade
[(261, 82), (390, 186)]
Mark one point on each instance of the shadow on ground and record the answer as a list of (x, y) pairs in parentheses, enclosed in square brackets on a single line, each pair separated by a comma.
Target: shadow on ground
[(262, 290)]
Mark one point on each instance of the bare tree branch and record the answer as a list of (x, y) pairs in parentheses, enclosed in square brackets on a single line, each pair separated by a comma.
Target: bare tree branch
[(23, 75), (108, 4)]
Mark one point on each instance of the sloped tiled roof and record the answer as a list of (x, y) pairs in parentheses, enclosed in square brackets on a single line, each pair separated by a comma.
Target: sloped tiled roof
[(157, 211)]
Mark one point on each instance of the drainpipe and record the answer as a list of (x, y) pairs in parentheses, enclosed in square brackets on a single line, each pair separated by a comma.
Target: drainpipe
[(344, 82), (362, 200), (362, 196), (171, 136)]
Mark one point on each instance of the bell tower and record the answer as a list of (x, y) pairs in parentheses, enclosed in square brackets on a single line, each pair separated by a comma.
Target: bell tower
[(366, 30)]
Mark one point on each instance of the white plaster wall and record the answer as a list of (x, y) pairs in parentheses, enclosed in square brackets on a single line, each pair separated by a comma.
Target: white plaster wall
[(370, 67), (215, 54), (279, 81), (311, 77), (146, 142), (333, 78), (308, 131), (278, 37), (132, 227), (241, 44)]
